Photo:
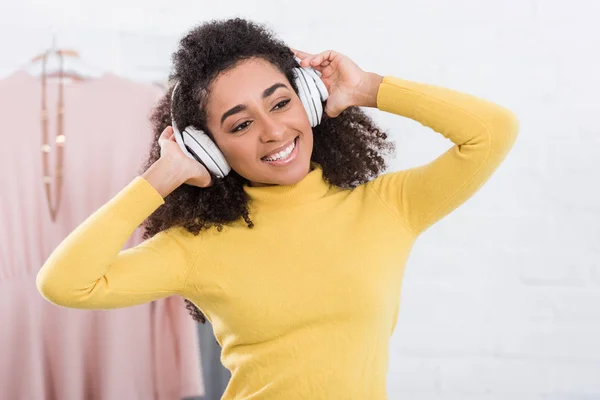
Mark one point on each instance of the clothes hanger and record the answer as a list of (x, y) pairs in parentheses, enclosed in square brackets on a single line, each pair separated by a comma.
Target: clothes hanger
[(64, 53), (72, 73), (74, 69)]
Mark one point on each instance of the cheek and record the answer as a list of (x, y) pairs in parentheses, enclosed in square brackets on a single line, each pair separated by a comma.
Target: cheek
[(238, 151), (301, 118)]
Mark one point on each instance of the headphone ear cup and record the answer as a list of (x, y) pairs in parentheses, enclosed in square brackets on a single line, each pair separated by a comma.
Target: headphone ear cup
[(314, 92), (316, 78), (198, 146), (180, 142), (206, 151), (304, 94), (315, 98)]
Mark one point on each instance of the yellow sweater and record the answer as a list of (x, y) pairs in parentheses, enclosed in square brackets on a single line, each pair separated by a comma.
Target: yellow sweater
[(304, 304)]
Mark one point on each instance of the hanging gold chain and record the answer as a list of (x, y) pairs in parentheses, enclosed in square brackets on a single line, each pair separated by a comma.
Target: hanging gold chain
[(59, 141)]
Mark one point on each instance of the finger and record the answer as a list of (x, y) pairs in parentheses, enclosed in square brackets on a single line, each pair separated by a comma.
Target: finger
[(203, 179), (321, 66), (300, 54), (311, 61), (167, 134), (330, 113), (319, 59), (304, 58)]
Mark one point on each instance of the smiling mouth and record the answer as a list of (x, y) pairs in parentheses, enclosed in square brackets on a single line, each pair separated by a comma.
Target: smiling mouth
[(283, 155)]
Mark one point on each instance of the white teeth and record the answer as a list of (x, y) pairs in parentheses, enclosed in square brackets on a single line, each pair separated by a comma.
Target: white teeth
[(283, 153)]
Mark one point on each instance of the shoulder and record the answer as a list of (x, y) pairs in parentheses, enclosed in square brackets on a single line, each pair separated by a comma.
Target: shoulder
[(177, 239), (385, 181)]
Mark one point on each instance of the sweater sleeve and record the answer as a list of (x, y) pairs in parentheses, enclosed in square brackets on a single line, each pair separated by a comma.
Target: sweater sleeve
[(482, 133), (90, 270)]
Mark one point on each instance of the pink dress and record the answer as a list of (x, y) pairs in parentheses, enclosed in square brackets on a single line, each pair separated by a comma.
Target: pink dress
[(53, 353)]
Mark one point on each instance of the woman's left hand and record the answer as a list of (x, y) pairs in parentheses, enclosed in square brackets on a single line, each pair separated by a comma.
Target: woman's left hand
[(347, 84)]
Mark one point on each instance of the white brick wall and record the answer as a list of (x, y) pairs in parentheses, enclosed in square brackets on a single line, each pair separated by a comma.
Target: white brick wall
[(502, 298)]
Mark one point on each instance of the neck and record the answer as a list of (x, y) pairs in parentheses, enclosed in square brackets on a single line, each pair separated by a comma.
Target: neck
[(310, 188)]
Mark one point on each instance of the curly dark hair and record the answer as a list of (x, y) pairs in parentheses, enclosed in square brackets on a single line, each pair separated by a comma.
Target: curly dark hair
[(350, 148)]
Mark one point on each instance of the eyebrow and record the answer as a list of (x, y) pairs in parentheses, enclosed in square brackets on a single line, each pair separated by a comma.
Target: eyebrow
[(240, 107)]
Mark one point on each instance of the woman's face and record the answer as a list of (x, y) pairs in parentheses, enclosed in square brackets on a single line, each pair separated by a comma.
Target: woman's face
[(259, 123)]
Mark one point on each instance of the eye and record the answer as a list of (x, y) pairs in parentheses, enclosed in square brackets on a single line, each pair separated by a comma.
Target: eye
[(245, 124), (281, 104), (241, 126)]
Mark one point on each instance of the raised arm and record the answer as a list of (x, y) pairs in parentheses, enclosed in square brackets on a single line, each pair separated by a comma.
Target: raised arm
[(90, 270), (482, 133)]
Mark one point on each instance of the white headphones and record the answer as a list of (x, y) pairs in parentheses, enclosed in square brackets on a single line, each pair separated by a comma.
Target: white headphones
[(198, 146)]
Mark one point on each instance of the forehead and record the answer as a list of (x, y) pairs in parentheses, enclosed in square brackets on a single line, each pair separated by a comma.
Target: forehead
[(246, 81)]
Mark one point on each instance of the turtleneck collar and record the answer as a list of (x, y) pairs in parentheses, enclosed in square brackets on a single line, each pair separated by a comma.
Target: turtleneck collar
[(312, 187)]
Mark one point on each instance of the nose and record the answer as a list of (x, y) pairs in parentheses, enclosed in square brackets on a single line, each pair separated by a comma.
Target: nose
[(272, 129)]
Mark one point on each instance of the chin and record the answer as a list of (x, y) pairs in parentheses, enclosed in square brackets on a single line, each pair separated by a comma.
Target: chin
[(293, 176)]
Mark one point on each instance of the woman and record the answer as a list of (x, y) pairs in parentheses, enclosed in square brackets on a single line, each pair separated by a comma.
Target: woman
[(297, 256)]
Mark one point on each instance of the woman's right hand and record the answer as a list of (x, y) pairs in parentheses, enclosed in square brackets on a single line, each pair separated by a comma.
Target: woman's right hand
[(174, 168), (196, 174)]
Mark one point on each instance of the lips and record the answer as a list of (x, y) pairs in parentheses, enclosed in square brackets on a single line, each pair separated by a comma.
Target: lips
[(289, 146), (284, 157)]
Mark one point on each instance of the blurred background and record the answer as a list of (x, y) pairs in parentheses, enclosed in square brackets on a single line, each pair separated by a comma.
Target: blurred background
[(501, 299)]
